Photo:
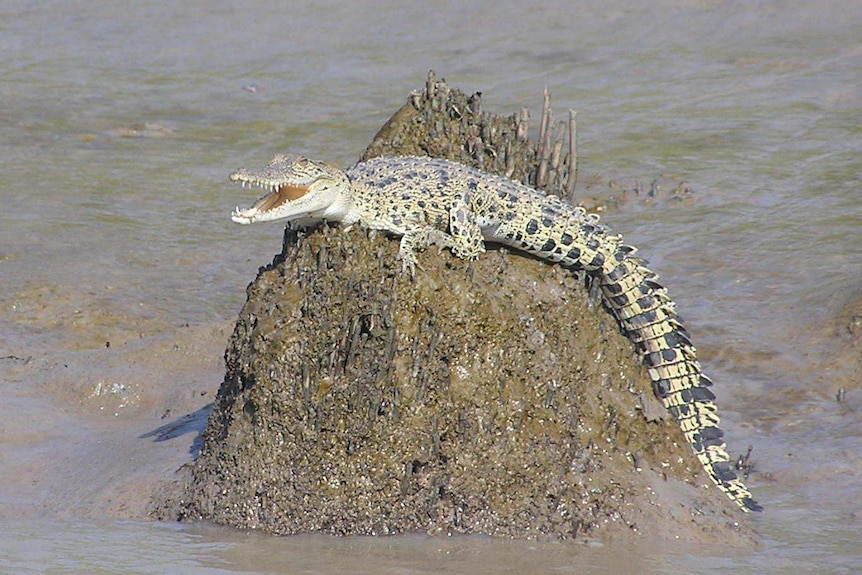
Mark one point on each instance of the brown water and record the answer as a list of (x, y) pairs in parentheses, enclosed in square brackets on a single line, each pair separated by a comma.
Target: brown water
[(120, 272)]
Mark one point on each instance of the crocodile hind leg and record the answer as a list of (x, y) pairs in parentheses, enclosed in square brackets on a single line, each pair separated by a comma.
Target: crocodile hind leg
[(464, 237), (467, 241)]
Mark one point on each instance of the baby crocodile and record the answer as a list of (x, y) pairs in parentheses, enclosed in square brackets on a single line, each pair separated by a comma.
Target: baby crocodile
[(431, 201)]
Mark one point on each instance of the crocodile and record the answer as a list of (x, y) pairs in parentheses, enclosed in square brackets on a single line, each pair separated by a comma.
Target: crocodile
[(429, 201)]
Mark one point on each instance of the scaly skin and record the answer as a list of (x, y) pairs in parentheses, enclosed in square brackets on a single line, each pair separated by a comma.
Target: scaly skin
[(431, 201)]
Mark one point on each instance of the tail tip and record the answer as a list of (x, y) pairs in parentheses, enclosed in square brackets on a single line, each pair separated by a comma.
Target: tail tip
[(749, 504)]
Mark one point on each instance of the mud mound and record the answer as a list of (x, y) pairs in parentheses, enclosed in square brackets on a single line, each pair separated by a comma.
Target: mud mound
[(481, 398)]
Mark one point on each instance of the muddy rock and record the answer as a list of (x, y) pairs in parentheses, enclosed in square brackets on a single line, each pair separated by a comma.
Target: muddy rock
[(485, 397)]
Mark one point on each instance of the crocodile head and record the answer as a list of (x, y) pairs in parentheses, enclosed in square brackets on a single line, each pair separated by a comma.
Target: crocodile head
[(298, 189)]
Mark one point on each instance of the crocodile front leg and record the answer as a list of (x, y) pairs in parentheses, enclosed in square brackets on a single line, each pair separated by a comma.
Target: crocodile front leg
[(412, 243)]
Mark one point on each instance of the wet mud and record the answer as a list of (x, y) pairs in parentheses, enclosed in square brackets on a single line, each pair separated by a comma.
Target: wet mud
[(101, 407)]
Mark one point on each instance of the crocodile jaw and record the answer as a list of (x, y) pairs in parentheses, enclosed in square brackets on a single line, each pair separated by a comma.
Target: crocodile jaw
[(243, 216), (273, 206), (298, 188)]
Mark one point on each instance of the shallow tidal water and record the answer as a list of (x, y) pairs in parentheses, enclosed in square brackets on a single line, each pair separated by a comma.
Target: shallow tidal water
[(121, 273)]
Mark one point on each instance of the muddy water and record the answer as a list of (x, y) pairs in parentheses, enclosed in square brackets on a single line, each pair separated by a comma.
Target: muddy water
[(120, 272)]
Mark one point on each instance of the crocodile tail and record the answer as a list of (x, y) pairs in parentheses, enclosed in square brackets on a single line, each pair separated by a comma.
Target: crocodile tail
[(648, 317)]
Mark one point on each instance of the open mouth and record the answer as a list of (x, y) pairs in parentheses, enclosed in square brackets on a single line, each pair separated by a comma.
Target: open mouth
[(279, 195)]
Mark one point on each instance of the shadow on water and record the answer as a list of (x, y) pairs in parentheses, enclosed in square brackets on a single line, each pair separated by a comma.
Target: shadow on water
[(194, 422)]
